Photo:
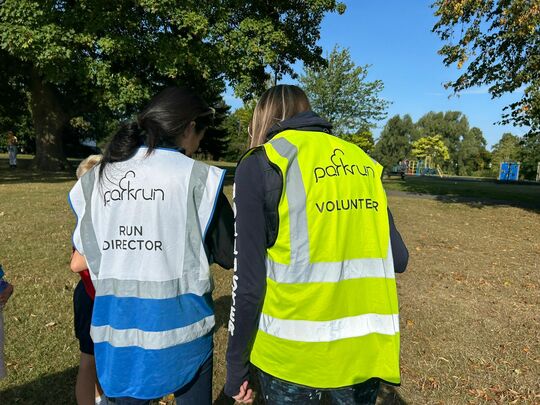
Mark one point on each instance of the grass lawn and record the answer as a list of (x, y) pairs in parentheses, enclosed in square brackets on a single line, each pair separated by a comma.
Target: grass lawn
[(483, 189), (470, 299)]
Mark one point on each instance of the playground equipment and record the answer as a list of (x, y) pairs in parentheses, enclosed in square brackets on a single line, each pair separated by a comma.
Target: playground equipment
[(509, 171), (398, 170), (420, 167)]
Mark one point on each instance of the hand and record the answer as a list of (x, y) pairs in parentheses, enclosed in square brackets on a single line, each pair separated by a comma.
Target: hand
[(4, 295), (245, 396)]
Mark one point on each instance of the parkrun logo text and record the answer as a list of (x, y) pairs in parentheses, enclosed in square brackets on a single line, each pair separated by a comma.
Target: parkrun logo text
[(127, 192), (340, 168)]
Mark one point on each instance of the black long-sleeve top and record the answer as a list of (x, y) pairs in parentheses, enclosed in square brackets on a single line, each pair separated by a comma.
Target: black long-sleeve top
[(219, 240), (258, 188)]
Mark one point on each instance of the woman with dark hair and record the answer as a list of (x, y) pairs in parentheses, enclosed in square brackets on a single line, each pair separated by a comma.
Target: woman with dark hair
[(149, 221), (314, 301)]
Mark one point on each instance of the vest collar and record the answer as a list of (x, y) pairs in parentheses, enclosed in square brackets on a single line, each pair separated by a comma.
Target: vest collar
[(169, 146), (305, 121)]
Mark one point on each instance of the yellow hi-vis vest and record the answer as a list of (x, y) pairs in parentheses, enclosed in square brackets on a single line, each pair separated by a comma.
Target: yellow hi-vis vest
[(330, 313)]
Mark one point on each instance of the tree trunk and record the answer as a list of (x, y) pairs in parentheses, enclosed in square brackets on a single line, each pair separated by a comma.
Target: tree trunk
[(49, 119)]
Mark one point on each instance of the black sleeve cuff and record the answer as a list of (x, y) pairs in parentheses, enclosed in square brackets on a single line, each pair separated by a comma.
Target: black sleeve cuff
[(236, 375)]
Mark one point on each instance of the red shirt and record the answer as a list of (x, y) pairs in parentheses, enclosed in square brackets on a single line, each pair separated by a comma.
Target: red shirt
[(87, 282)]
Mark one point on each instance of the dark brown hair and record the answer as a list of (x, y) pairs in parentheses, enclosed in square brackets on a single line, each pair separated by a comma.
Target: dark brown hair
[(164, 119)]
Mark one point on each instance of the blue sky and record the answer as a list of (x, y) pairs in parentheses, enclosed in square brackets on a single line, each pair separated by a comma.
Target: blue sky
[(395, 38)]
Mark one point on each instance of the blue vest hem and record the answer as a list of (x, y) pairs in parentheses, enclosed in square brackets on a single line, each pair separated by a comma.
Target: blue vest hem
[(164, 374)]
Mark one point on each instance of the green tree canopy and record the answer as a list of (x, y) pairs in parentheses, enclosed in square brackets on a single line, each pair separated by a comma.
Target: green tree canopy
[(431, 147), (14, 114), (363, 139), (530, 155), (80, 57), (498, 42), (453, 126), (236, 126), (340, 93), (394, 143), (472, 156), (507, 149)]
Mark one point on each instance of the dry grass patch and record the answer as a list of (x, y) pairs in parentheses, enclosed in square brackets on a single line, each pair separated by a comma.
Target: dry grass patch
[(469, 303), (470, 299)]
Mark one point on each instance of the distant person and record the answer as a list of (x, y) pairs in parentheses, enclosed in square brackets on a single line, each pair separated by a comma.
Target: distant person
[(87, 388), (150, 222), (6, 290), (314, 300), (12, 149)]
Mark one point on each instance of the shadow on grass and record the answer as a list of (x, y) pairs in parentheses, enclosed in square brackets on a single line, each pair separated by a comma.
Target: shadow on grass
[(488, 202), (475, 193), (58, 388), (25, 173), (23, 176)]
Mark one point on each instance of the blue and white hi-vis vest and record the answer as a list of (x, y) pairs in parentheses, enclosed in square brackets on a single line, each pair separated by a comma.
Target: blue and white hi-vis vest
[(141, 228)]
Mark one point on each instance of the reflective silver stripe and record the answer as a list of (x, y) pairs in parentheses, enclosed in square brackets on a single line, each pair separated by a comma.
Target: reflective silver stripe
[(193, 238), (88, 235), (332, 272), (152, 340), (296, 199), (153, 289), (329, 331)]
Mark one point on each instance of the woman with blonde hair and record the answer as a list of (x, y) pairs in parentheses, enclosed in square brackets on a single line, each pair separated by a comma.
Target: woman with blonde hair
[(314, 302)]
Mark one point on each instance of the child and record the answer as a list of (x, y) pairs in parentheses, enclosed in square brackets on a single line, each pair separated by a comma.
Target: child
[(12, 149), (6, 290), (87, 388)]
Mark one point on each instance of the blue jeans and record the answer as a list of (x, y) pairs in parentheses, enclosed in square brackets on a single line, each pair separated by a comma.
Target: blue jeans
[(276, 392), (197, 392)]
